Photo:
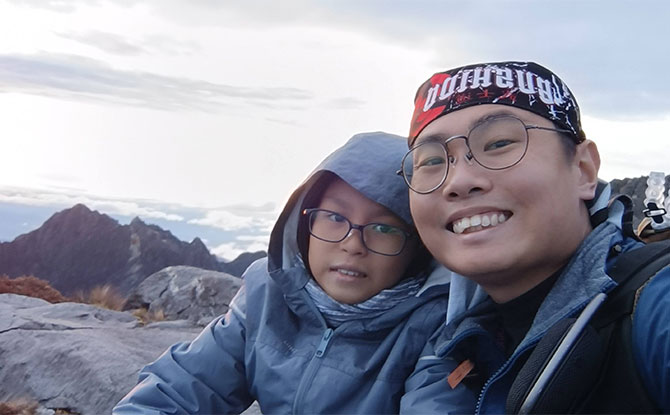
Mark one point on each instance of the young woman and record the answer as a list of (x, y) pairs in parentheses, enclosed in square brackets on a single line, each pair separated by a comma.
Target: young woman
[(333, 321)]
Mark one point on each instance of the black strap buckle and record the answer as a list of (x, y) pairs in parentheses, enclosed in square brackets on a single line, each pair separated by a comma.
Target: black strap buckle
[(654, 212)]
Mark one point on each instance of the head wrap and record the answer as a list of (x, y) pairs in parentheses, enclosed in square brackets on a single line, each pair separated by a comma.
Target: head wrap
[(525, 85)]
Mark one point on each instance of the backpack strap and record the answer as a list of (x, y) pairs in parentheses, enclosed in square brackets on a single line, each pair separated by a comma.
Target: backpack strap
[(620, 388), (607, 380), (631, 271)]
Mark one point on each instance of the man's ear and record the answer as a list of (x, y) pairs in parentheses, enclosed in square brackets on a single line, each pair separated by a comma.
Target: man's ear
[(587, 164)]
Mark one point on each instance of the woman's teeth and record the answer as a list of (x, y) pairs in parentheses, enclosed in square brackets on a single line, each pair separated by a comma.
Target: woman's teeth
[(350, 273), (478, 222)]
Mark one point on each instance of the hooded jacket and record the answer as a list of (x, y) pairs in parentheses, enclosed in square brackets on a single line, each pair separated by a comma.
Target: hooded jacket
[(469, 332), (275, 347)]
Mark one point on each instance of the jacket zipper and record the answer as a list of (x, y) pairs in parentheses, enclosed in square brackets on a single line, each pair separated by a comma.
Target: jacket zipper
[(499, 372), (311, 369), (324, 342)]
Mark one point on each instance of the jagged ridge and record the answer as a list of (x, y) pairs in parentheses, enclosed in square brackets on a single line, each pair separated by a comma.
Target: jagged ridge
[(78, 249)]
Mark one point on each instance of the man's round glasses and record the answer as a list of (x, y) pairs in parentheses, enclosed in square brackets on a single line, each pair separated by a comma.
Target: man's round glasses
[(379, 238), (497, 143)]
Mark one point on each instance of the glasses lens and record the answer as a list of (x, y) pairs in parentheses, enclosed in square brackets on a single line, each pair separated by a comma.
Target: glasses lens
[(384, 239), (499, 143), (328, 226), (425, 166)]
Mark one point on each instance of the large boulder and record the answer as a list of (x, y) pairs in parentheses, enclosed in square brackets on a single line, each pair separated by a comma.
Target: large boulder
[(186, 293), (75, 357)]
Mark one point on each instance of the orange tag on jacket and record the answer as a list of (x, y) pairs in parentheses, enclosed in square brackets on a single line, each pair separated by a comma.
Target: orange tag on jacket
[(459, 373)]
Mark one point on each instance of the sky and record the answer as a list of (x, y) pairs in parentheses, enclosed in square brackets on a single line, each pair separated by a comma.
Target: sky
[(202, 116)]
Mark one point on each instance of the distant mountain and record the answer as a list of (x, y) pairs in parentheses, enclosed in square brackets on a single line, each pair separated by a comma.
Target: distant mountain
[(77, 249)]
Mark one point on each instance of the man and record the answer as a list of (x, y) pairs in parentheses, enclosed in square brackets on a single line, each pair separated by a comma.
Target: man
[(503, 192)]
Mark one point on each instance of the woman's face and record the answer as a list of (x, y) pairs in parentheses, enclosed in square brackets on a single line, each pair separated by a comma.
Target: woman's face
[(347, 270)]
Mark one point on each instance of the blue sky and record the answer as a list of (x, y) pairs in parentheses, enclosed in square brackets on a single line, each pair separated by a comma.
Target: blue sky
[(203, 116)]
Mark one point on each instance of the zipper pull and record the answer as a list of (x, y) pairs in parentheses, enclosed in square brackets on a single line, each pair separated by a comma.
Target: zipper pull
[(324, 342)]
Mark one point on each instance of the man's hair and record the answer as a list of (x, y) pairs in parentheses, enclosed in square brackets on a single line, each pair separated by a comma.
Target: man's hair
[(569, 145)]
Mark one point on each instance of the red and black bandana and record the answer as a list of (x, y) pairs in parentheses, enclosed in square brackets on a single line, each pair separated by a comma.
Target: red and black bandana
[(526, 85)]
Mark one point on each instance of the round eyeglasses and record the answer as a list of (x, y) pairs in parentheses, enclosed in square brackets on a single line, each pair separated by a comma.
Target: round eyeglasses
[(379, 238), (496, 143)]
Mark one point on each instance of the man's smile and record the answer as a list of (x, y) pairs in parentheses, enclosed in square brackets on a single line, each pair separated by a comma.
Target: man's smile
[(478, 221)]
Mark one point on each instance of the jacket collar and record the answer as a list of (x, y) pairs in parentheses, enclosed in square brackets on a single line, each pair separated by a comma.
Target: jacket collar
[(581, 280)]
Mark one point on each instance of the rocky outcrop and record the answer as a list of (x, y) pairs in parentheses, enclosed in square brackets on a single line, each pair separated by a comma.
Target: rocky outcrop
[(186, 293), (78, 249), (75, 356)]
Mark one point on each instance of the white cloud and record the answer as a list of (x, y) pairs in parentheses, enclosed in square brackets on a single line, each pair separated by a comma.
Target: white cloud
[(230, 221), (108, 42), (231, 250), (119, 207), (75, 77)]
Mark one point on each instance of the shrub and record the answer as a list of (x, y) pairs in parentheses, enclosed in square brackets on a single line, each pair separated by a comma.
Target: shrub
[(145, 316), (18, 407), (32, 287), (104, 296)]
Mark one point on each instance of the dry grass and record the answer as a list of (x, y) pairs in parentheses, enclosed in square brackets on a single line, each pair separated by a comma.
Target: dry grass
[(19, 407), (104, 296), (145, 316), (32, 287)]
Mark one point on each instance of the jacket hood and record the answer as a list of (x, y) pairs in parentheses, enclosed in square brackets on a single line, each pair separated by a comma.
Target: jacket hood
[(367, 162)]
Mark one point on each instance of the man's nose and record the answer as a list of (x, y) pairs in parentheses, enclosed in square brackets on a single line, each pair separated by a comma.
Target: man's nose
[(465, 177)]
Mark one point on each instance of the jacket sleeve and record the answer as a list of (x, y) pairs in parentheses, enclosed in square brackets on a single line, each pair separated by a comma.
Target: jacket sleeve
[(427, 390), (651, 338), (204, 376)]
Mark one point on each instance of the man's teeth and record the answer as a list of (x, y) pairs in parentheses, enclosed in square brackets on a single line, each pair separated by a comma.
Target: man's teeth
[(347, 272), (477, 222)]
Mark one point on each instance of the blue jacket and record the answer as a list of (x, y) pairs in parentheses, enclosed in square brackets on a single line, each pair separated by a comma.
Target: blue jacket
[(274, 346), (584, 277)]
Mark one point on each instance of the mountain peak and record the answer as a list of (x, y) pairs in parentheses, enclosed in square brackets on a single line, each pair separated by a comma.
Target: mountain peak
[(137, 221)]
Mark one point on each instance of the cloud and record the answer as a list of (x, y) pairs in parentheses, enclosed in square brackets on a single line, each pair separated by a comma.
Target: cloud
[(121, 45), (613, 66), (114, 207), (345, 103), (107, 42), (234, 219), (231, 250), (61, 6), (84, 79)]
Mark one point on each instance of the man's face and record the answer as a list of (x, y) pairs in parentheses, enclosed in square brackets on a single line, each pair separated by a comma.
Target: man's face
[(347, 270), (534, 210)]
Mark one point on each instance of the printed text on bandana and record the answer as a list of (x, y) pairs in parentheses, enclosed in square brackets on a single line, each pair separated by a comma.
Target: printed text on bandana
[(484, 77)]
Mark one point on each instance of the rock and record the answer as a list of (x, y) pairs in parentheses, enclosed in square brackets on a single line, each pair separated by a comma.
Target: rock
[(186, 293), (75, 356)]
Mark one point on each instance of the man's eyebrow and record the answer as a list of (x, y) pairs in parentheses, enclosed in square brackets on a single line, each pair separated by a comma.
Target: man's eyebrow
[(486, 117), (431, 138), (492, 115)]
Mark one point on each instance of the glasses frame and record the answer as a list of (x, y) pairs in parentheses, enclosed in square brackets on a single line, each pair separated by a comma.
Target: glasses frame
[(469, 155), (308, 213)]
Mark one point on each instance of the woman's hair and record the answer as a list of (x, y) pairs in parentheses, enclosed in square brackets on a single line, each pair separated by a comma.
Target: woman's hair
[(420, 262), (311, 200)]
